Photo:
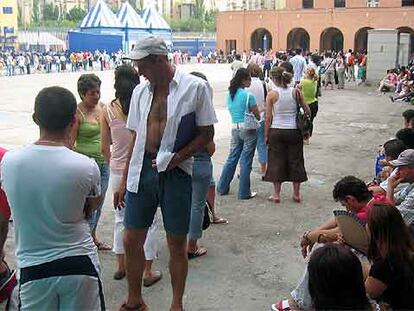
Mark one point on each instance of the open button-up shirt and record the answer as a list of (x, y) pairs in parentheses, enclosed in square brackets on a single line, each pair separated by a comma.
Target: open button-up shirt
[(187, 94)]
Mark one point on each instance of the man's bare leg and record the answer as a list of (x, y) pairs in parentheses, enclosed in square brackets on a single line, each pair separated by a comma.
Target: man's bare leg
[(178, 268), (134, 240)]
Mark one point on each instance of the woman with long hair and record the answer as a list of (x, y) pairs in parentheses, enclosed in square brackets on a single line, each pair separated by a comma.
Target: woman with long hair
[(114, 132), (336, 279), (309, 86), (284, 139), (391, 251), (243, 140)]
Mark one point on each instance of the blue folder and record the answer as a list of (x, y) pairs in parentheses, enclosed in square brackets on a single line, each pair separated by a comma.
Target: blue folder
[(187, 131)]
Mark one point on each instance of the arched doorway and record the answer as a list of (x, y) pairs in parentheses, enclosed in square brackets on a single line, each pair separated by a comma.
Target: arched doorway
[(261, 39), (361, 39), (298, 38), (332, 39), (411, 32)]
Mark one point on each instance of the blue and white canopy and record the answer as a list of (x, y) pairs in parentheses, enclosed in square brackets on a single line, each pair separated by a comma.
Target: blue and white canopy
[(100, 16), (129, 18), (153, 19)]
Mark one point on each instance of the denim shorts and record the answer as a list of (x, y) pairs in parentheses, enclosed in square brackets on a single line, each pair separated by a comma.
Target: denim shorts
[(171, 190)]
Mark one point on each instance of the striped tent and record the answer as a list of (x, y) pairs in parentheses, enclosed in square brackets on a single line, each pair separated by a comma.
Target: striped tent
[(153, 19), (156, 24), (100, 16), (129, 18), (133, 25)]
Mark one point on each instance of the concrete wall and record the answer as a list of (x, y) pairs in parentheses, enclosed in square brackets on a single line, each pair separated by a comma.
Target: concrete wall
[(404, 47), (382, 53)]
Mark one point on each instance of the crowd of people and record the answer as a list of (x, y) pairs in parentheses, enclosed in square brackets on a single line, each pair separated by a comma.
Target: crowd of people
[(399, 81), (333, 68), (153, 143), (28, 62)]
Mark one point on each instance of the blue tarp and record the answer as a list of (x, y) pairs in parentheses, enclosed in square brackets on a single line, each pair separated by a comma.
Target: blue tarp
[(82, 41), (193, 46)]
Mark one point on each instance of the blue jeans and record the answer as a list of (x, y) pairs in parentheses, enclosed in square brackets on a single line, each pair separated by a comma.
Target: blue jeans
[(202, 173), (93, 220), (261, 144), (242, 147)]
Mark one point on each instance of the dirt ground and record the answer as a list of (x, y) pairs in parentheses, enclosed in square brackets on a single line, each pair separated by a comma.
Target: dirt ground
[(255, 259)]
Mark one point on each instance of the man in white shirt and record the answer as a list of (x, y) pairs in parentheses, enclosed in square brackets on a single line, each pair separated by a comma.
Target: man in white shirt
[(299, 66), (51, 190), (172, 117), (259, 89), (236, 64)]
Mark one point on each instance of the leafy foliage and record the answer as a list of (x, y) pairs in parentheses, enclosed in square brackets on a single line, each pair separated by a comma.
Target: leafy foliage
[(206, 23), (50, 12), (76, 14)]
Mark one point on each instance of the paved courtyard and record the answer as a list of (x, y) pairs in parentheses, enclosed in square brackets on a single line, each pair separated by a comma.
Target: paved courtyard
[(255, 259)]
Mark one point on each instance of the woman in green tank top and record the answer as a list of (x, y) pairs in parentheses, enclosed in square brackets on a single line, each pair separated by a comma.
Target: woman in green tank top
[(86, 139), (309, 88)]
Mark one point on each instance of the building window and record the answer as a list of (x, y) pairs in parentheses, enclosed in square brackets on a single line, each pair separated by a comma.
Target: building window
[(7, 10), (230, 46), (407, 3), (8, 30), (307, 4), (373, 3), (340, 3)]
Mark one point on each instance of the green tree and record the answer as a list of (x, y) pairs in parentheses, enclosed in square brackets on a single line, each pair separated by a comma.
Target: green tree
[(36, 11), (76, 14), (50, 12), (199, 9)]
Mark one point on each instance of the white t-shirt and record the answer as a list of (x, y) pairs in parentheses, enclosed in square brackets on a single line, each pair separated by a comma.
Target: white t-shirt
[(47, 187), (257, 89)]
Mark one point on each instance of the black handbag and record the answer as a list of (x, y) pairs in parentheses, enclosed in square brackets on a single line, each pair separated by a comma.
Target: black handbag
[(303, 121)]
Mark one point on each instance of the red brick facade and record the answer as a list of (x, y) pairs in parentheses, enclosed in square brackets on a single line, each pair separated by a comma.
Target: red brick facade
[(321, 28)]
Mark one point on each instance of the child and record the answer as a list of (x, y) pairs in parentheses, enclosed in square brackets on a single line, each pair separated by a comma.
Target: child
[(392, 149)]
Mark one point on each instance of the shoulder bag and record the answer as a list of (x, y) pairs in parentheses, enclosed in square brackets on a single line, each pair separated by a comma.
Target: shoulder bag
[(303, 121), (250, 121)]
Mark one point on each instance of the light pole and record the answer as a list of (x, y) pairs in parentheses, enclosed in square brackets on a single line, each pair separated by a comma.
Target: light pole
[(244, 28)]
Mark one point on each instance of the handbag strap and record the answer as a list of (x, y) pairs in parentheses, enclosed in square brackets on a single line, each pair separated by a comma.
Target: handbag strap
[(247, 103), (295, 96), (330, 64)]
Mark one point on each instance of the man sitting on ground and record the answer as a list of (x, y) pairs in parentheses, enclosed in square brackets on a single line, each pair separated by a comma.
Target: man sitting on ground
[(51, 190), (404, 173), (354, 195)]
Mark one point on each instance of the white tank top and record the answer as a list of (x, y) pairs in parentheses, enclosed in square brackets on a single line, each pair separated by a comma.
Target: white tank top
[(284, 110)]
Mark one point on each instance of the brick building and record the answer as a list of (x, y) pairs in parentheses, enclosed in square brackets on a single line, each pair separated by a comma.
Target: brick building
[(313, 24)]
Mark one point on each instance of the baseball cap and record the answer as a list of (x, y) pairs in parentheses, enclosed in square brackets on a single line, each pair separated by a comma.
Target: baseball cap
[(405, 158), (148, 46)]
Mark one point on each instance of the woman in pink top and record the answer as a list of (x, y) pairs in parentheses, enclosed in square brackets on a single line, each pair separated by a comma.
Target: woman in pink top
[(389, 83), (114, 132)]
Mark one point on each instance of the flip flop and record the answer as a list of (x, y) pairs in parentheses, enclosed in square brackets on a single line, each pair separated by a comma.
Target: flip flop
[(119, 275), (198, 253), (273, 199), (296, 199), (151, 280), (103, 246), (282, 305), (220, 220), (141, 307)]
